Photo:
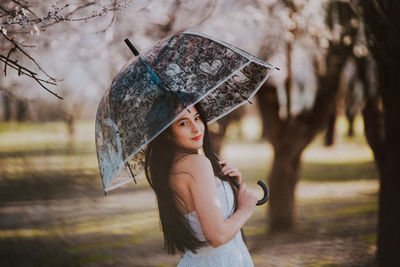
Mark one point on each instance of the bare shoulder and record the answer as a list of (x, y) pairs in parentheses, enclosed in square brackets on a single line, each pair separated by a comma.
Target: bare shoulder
[(194, 160), (194, 165)]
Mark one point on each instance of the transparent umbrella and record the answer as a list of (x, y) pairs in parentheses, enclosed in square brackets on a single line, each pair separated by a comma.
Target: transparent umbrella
[(153, 89)]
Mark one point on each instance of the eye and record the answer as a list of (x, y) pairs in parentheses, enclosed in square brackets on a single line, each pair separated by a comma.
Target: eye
[(183, 123), (197, 118)]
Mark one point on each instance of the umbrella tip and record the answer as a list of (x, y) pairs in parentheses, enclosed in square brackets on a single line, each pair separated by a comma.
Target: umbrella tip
[(131, 47), (277, 68)]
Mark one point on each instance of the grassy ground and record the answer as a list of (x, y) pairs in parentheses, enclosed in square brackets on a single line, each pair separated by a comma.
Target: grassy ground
[(53, 211)]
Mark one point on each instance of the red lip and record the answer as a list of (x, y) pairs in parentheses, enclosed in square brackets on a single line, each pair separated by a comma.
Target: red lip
[(197, 137)]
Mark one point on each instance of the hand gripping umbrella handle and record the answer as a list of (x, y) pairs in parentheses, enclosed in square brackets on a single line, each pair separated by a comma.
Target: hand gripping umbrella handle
[(260, 183), (264, 188)]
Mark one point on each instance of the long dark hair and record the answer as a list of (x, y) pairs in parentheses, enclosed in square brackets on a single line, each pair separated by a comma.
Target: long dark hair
[(178, 235)]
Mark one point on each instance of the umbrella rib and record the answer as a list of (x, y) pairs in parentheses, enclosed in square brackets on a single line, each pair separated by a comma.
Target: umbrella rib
[(129, 167)]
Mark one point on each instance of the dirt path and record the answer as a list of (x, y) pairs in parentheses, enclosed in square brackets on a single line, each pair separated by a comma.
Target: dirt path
[(337, 225), (122, 229)]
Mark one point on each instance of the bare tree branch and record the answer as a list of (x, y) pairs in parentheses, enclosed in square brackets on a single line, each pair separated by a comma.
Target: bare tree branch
[(212, 4), (24, 71), (26, 7), (8, 57), (111, 21), (27, 55), (17, 17)]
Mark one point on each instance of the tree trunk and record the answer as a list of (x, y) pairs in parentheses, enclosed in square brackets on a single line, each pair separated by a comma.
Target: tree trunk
[(290, 135), (386, 151), (350, 120), (22, 108), (218, 136), (389, 211), (70, 121), (7, 107), (330, 132), (223, 123), (284, 176), (383, 29), (389, 195), (350, 102)]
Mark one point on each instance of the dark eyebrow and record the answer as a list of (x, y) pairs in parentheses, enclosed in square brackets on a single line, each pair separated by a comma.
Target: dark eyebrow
[(181, 119), (185, 118)]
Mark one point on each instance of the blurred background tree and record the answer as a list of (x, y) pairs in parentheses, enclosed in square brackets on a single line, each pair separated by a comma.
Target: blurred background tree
[(315, 41), (291, 124), (381, 118), (23, 21), (34, 36)]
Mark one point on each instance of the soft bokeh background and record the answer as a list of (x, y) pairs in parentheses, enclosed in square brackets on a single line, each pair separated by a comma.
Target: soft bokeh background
[(53, 211)]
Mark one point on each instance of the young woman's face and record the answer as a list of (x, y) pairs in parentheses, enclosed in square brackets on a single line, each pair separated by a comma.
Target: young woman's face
[(187, 131)]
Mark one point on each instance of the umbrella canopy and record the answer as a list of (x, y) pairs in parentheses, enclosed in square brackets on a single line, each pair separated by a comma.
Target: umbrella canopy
[(185, 69)]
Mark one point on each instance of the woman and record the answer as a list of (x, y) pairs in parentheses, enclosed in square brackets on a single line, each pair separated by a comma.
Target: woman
[(201, 212)]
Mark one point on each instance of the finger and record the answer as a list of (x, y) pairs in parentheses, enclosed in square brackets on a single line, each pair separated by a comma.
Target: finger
[(222, 161), (237, 175), (242, 186), (234, 173), (226, 169)]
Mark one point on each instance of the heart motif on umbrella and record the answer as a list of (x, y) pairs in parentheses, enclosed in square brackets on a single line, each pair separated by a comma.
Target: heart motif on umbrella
[(211, 69)]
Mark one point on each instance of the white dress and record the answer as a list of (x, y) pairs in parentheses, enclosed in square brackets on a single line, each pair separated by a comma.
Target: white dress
[(231, 254)]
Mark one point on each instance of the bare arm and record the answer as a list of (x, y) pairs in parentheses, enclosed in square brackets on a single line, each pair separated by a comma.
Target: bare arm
[(204, 195)]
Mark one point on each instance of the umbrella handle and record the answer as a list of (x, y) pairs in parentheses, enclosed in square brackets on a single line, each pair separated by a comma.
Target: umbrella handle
[(266, 193), (262, 185)]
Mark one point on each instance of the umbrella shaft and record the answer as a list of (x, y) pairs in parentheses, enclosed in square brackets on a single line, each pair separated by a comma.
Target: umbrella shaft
[(154, 76)]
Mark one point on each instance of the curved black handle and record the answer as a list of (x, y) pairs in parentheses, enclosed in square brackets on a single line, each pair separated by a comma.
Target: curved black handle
[(266, 193), (262, 185)]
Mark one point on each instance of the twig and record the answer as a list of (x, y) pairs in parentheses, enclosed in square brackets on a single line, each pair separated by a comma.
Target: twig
[(7, 12), (8, 57), (210, 12), (24, 71), (111, 21), (80, 7), (28, 56), (16, 65), (59, 17), (25, 7)]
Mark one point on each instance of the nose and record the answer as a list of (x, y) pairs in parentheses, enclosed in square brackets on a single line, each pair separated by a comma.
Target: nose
[(195, 128)]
